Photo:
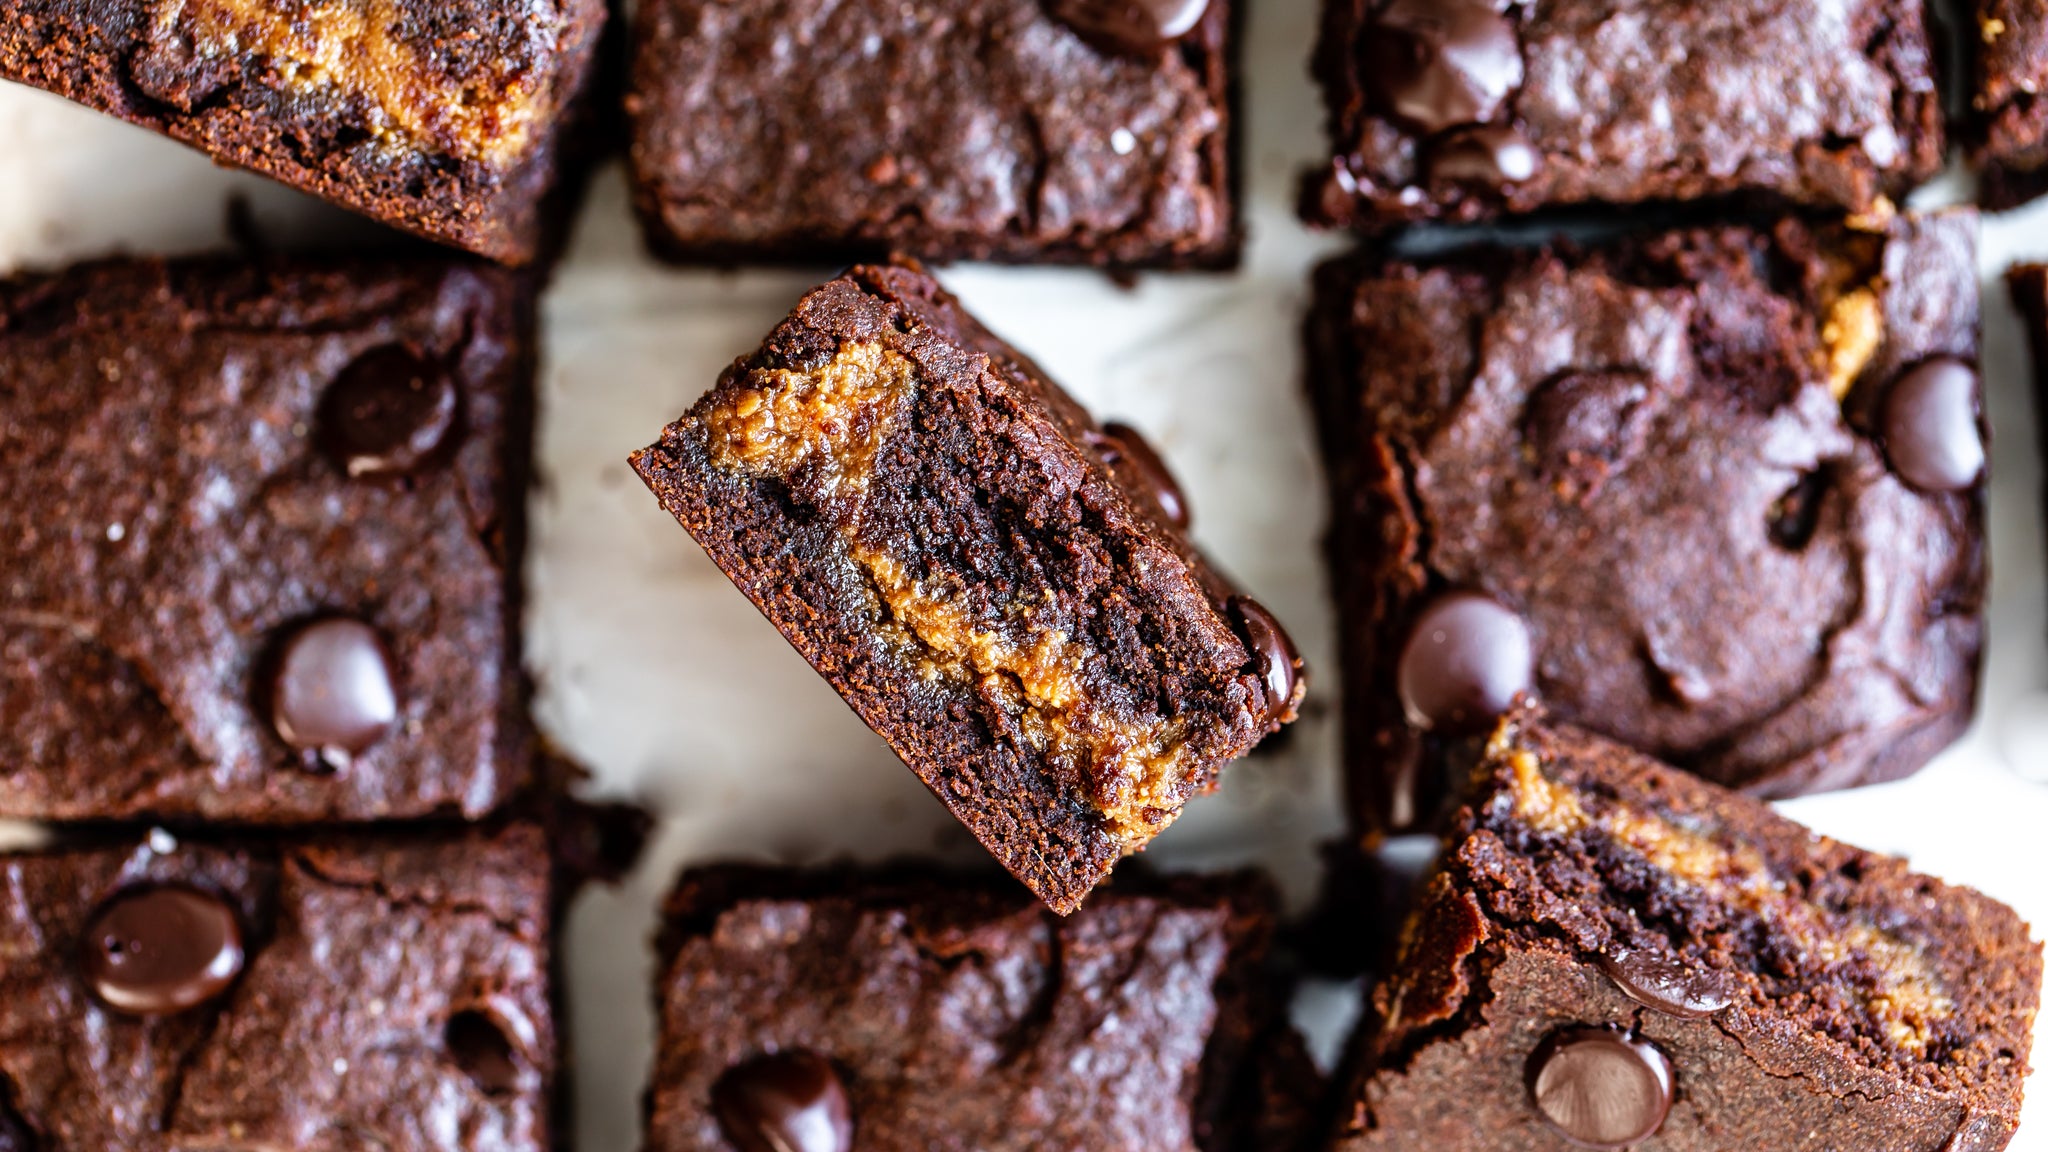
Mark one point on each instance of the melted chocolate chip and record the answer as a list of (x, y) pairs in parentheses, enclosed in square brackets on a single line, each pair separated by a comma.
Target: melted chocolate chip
[(1142, 28), (1585, 425), (1487, 156), (1438, 64), (1601, 1087), (789, 1102), (156, 951), (333, 693), (1667, 985), (1930, 427), (1466, 661), (1123, 443), (483, 1052), (1279, 662), (388, 412)]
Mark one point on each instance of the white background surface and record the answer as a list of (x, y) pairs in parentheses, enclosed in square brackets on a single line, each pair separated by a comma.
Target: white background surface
[(662, 678)]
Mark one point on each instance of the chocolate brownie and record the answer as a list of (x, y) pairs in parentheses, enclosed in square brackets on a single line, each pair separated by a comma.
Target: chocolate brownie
[(440, 117), (1717, 494), (1616, 954), (2028, 284), (392, 993), (1000, 587), (1072, 131), (903, 1013), (2009, 42), (261, 540), (1467, 109)]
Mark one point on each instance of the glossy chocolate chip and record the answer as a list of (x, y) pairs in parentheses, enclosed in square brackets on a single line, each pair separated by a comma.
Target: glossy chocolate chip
[(1129, 27), (1930, 427), (388, 412), (1273, 651), (333, 693), (1667, 985), (789, 1102), (1601, 1087), (157, 951), (481, 1049), (1438, 64), (1121, 442), (1487, 156), (1465, 662)]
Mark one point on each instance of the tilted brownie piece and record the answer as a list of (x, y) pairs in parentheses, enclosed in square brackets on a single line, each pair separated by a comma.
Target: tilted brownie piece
[(2028, 284), (1616, 954), (914, 1012), (1468, 109), (1716, 494), (1096, 132), (997, 585), (2009, 44), (331, 994), (440, 117), (261, 540)]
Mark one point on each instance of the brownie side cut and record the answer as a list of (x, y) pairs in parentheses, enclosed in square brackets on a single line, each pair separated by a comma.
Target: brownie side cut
[(262, 539), (927, 1011), (1462, 110), (1616, 953), (439, 117), (389, 992), (1716, 494), (964, 129), (994, 583)]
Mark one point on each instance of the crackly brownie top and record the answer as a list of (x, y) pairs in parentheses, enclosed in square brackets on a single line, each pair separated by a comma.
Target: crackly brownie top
[(257, 540), (918, 1013), (1579, 438), (1466, 107), (337, 994), (980, 125)]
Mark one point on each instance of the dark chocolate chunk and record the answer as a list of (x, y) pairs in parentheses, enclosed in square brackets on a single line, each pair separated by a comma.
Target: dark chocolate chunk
[(1278, 660), (162, 950), (334, 693), (1601, 1087), (1129, 27), (483, 1051), (1689, 993), (1465, 662), (1489, 156), (1931, 435), (1123, 442), (788, 1102), (388, 412), (1442, 63)]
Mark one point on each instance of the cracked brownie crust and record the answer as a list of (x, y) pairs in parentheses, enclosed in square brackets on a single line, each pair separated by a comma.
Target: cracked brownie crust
[(990, 579), (963, 129), (438, 118), (261, 541), (1600, 428), (391, 993), (1798, 993)]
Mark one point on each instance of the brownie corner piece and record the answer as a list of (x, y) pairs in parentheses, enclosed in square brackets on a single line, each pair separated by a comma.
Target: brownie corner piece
[(1019, 131), (909, 1009), (262, 541), (450, 119), (1613, 953), (1000, 587), (1462, 110)]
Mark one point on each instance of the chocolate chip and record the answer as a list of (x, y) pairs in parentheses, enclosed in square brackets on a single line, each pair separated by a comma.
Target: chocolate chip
[(388, 412), (483, 1051), (1601, 1087), (172, 70), (1930, 427), (156, 951), (789, 1102), (1273, 651), (1667, 985), (1129, 27), (1466, 661), (1123, 443), (333, 693), (1585, 425), (1437, 64), (1488, 156)]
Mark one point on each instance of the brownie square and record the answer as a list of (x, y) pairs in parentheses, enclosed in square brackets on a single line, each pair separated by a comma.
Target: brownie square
[(1716, 494), (1617, 954), (1463, 110), (908, 1011), (389, 993), (1073, 132), (1001, 588), (261, 540), (440, 117)]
